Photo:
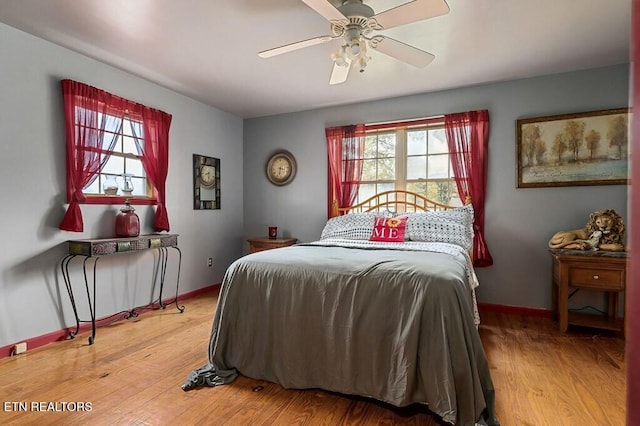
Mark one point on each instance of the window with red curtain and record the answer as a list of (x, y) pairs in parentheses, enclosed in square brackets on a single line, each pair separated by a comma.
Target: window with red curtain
[(468, 140), (442, 158), (95, 121)]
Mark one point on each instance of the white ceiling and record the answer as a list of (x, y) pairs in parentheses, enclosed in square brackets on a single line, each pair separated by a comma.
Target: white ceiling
[(207, 49)]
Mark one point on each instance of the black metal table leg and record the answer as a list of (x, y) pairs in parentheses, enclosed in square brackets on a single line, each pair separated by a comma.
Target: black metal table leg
[(180, 308), (92, 306), (162, 261), (64, 266)]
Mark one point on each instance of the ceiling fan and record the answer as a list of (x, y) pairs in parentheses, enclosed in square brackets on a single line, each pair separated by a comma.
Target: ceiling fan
[(355, 23)]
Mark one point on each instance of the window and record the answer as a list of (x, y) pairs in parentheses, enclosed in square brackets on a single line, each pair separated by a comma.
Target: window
[(121, 170), (109, 137), (408, 157)]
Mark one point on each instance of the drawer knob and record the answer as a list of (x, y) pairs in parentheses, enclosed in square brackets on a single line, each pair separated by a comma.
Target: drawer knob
[(595, 277)]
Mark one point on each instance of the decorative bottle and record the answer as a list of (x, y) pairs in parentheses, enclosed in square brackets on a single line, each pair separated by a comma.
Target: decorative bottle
[(127, 221)]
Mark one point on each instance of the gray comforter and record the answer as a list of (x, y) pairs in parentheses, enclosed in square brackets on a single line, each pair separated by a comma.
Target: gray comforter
[(394, 324)]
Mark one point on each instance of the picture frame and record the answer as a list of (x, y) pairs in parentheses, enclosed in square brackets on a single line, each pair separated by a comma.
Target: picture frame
[(206, 182), (587, 148)]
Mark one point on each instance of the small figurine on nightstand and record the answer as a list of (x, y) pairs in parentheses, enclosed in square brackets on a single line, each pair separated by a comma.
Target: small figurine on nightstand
[(604, 231)]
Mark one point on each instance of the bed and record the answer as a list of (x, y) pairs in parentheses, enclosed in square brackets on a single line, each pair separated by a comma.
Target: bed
[(381, 306)]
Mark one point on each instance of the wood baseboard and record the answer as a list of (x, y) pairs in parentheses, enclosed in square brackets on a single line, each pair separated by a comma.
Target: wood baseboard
[(36, 342), (515, 310)]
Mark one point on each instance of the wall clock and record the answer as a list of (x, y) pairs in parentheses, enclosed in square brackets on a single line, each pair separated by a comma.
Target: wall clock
[(206, 182), (207, 176), (281, 167)]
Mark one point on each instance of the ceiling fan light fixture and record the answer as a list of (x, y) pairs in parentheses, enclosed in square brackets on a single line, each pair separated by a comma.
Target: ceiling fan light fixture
[(353, 22), (354, 48), (340, 57)]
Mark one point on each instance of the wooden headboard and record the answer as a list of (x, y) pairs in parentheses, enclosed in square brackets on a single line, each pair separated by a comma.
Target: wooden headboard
[(394, 201)]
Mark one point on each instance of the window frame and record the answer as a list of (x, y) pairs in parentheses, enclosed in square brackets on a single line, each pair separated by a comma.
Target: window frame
[(401, 130), (105, 199)]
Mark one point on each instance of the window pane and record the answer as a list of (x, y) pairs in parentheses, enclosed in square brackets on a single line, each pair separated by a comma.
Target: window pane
[(417, 167), (134, 167), (365, 191), (437, 142), (439, 191), (129, 146), (115, 165), (387, 186), (368, 170), (139, 186), (112, 125), (454, 198), (137, 128), (417, 142), (386, 145), (370, 146), (387, 168), (93, 188), (438, 166), (108, 138), (418, 188)]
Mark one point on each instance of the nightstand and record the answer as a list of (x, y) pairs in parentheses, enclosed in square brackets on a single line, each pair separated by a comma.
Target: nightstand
[(264, 243), (593, 270)]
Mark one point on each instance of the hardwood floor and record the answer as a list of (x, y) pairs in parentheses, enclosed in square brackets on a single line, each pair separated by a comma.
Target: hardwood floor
[(133, 373)]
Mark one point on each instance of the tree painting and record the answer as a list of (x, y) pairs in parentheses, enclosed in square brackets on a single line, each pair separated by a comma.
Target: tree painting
[(593, 142), (530, 134), (618, 133), (574, 149), (574, 136), (559, 147)]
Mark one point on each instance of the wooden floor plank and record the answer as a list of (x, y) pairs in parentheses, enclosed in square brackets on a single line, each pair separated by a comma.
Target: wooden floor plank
[(133, 373)]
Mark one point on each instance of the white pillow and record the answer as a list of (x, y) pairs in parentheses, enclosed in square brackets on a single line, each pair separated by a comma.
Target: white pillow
[(352, 226), (453, 226)]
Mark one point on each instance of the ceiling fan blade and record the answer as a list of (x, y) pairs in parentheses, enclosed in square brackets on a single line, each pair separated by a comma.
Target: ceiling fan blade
[(400, 51), (416, 10), (340, 73), (326, 9), (295, 46)]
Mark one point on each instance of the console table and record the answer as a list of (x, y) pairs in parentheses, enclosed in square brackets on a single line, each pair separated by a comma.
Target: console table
[(95, 248)]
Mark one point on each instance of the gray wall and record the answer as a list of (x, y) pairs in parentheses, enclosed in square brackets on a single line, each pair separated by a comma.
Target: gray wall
[(519, 221), (33, 300)]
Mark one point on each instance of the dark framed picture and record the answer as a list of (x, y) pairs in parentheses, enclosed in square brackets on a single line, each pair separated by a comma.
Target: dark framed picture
[(206, 182), (588, 148)]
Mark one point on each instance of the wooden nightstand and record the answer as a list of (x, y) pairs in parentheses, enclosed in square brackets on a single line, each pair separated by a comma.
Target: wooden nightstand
[(600, 271), (264, 243)]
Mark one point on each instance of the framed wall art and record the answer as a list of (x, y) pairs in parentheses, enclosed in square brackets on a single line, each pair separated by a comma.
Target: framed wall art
[(588, 148), (206, 182)]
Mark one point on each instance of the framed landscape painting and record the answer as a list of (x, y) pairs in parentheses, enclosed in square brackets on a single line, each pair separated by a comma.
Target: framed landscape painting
[(589, 148)]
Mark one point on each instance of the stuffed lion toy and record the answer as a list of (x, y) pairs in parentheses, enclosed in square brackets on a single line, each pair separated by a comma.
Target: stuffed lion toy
[(604, 231)]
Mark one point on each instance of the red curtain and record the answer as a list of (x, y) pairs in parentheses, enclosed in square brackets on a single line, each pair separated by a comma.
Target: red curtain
[(88, 113), (86, 118), (155, 159), (468, 139), (345, 147)]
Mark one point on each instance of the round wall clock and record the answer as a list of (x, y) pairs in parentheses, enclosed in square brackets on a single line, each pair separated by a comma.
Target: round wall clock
[(281, 168)]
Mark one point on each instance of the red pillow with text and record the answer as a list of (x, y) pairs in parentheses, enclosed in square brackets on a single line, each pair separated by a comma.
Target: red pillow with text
[(389, 229)]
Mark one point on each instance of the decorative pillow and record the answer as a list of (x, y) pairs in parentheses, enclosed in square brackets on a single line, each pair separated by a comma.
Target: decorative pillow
[(453, 226), (389, 229), (353, 226)]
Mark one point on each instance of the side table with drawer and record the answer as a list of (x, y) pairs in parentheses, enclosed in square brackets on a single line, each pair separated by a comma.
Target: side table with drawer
[(264, 243), (592, 270)]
